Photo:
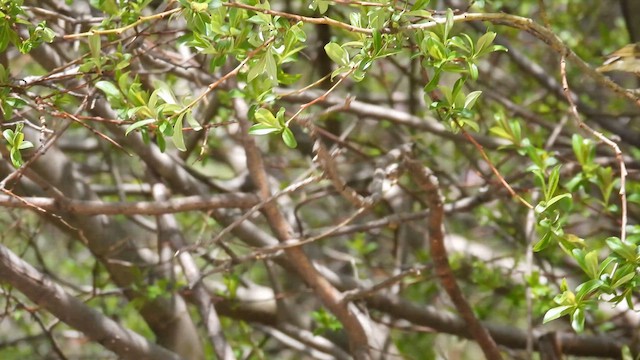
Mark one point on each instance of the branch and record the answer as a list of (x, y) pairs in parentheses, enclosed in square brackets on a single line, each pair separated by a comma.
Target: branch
[(96, 207), (168, 227), (616, 149), (52, 297), (330, 297), (428, 182)]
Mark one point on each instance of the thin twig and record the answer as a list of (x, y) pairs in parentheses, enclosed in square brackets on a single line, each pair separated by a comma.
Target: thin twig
[(493, 168), (573, 109)]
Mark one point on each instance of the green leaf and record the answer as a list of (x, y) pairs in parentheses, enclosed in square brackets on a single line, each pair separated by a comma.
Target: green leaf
[(473, 71), (448, 24), (460, 43), (587, 288), (419, 13), (552, 184), (95, 48), (109, 89), (484, 41), (623, 280), (436, 49), (271, 68), (557, 198), (195, 125), (25, 145), (8, 135), (556, 312), (337, 54), (139, 124), (288, 138), (264, 116), (626, 251), (577, 320), (178, 136), (323, 6), (165, 93), (262, 129), (500, 132), (419, 5), (543, 242), (377, 41), (433, 83), (591, 264), (471, 99), (16, 157)]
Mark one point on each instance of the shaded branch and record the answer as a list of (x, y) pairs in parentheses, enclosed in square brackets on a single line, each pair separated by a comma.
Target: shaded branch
[(96, 207), (52, 297)]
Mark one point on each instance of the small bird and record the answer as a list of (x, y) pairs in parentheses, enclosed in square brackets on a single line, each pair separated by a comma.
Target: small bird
[(626, 59)]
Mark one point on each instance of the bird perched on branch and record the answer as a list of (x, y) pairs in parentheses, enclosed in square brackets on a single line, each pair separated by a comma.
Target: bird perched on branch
[(626, 59)]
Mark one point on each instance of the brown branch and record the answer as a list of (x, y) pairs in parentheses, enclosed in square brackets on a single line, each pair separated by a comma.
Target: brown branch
[(96, 207), (495, 171), (52, 297), (328, 295), (428, 182), (371, 111)]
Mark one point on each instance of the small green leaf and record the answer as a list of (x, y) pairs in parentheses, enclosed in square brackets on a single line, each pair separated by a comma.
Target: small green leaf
[(448, 24), (484, 41), (556, 312), (8, 135), (289, 139), (419, 5), (433, 83), (262, 129), (139, 124), (543, 242), (471, 99), (95, 48), (257, 69), (109, 89), (377, 41), (337, 54), (587, 288), (271, 68), (195, 125), (577, 320), (264, 116), (435, 48), (626, 251), (473, 71), (16, 157), (178, 136), (164, 92), (623, 280), (323, 6), (591, 264), (419, 13), (25, 145), (557, 198)]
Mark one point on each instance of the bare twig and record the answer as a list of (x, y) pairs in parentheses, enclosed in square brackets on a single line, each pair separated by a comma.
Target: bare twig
[(616, 149)]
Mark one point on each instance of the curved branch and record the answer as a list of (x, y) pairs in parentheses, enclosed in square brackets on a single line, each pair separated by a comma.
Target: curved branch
[(429, 183), (329, 295)]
